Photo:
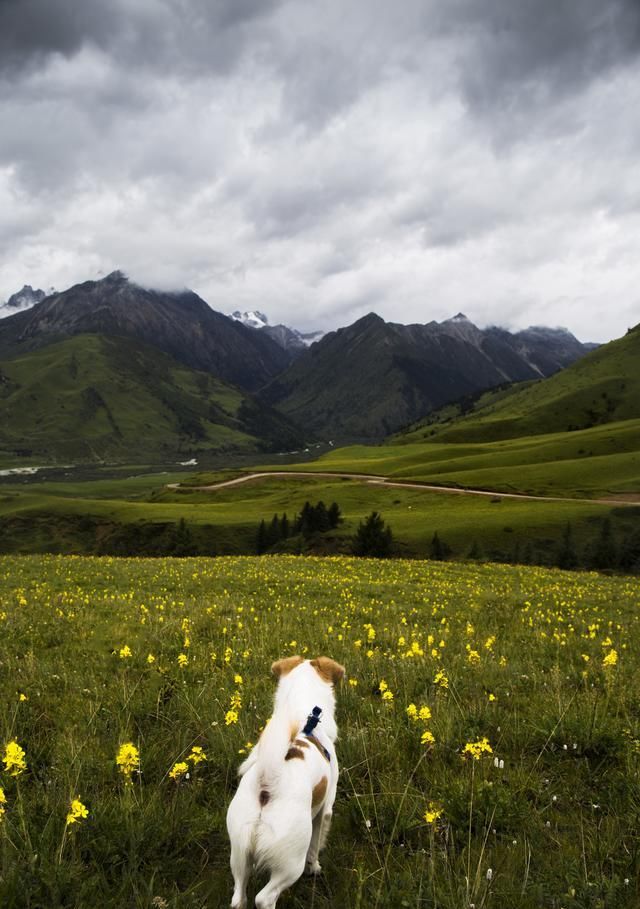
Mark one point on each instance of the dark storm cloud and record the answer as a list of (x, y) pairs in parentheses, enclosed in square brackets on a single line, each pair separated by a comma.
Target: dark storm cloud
[(319, 160), (185, 35)]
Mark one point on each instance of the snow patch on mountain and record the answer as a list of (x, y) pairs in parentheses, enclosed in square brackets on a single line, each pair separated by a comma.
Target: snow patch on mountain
[(23, 299), (288, 338)]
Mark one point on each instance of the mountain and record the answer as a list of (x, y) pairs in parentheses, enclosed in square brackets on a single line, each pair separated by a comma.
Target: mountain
[(290, 339), (21, 300), (180, 324), (373, 377), (602, 387), (94, 397)]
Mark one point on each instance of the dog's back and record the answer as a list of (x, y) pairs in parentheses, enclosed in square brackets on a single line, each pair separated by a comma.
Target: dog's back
[(276, 818)]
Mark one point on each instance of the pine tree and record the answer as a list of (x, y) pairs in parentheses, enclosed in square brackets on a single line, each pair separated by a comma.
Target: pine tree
[(273, 531), (373, 537), (604, 553), (261, 539), (439, 549), (475, 552), (284, 526), (321, 518), (567, 555), (335, 517)]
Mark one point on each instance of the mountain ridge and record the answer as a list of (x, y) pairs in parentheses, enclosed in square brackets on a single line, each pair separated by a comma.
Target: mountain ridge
[(180, 324), (371, 378)]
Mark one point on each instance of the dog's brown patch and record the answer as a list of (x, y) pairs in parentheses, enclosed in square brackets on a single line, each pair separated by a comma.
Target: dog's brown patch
[(328, 669), (264, 797), (301, 743), (318, 793), (294, 753), (285, 665)]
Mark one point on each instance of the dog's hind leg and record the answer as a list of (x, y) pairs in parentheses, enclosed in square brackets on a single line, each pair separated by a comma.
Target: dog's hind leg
[(240, 870), (311, 863), (284, 877)]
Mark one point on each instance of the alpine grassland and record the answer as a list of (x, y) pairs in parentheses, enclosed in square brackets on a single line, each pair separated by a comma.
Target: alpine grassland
[(489, 729)]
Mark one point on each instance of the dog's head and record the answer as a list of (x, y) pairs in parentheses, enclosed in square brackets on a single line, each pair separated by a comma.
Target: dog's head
[(328, 670)]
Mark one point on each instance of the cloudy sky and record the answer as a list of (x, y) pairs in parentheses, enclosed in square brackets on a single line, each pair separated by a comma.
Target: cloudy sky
[(320, 160)]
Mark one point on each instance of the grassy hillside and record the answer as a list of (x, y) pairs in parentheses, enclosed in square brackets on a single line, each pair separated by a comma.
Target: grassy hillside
[(602, 387), (540, 668), (601, 461), (142, 516), (93, 397)]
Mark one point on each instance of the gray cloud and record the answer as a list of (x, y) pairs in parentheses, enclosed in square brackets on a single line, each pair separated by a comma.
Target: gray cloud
[(320, 161)]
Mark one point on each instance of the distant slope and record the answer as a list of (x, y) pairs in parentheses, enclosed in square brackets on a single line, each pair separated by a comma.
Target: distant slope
[(94, 397), (373, 377), (180, 324), (603, 387)]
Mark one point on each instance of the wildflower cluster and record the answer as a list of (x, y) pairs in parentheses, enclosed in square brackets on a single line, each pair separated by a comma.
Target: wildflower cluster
[(475, 750), (180, 770), (14, 759), (77, 811), (232, 715), (385, 691), (128, 760)]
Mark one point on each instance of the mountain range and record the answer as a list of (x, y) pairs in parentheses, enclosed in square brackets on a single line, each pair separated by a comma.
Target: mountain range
[(163, 371), (374, 377)]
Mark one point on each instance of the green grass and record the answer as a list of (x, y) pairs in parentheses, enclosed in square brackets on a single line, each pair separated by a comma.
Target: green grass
[(77, 517), (557, 824), (593, 462), (94, 397)]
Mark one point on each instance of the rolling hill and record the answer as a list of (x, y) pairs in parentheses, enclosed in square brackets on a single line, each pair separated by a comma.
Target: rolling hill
[(94, 397), (601, 388)]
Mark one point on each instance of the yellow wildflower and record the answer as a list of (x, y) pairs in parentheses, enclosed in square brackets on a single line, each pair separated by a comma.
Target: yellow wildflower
[(197, 755), (3, 802), (128, 759), (427, 738), (178, 771), (230, 717), (610, 659), (151, 659), (475, 750), (433, 812), (183, 659), (126, 652), (77, 812), (14, 759), (412, 711), (441, 679)]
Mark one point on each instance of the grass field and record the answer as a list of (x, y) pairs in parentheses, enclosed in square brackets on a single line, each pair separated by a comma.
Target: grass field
[(97, 653), (600, 461), (78, 517)]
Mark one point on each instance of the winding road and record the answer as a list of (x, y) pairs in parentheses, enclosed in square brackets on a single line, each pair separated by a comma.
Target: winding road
[(374, 480)]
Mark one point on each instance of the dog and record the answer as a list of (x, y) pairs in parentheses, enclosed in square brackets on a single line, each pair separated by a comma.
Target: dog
[(279, 818)]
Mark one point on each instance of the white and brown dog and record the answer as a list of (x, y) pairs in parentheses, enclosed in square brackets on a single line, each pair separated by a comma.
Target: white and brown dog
[(279, 818)]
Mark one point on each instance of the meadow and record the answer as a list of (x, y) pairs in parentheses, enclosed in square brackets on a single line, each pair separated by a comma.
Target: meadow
[(489, 746)]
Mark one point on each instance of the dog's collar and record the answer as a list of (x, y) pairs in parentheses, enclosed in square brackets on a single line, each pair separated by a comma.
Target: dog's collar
[(323, 751), (312, 721)]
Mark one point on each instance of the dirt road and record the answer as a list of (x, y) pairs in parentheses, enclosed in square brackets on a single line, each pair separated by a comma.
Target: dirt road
[(374, 480)]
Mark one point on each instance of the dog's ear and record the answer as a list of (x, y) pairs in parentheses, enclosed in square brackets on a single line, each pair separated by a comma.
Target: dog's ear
[(328, 669), (285, 665)]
